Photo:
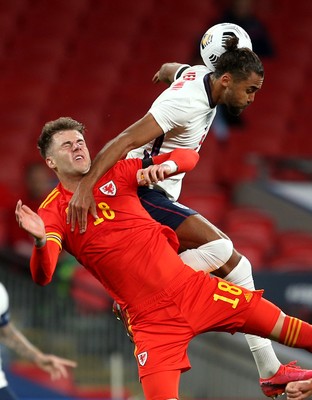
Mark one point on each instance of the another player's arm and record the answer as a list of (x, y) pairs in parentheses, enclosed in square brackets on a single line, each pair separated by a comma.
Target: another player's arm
[(169, 72), (160, 167), (138, 134), (11, 337), (45, 253)]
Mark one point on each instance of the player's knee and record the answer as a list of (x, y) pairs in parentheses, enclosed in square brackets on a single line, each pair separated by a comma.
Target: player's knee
[(222, 249), (217, 252)]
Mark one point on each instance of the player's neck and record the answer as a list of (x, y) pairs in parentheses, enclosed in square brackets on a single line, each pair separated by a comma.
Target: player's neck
[(70, 183), (215, 89)]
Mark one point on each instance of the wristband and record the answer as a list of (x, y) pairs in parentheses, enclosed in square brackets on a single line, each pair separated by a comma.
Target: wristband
[(172, 165)]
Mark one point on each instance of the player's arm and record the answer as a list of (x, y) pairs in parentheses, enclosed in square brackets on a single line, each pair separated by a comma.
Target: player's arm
[(169, 72), (45, 253), (138, 134), (160, 167), (11, 337)]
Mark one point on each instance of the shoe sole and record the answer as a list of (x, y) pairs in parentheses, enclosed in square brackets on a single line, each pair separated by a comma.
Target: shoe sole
[(273, 391)]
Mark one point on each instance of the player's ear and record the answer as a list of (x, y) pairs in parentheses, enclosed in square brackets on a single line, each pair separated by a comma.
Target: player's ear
[(226, 79), (50, 162)]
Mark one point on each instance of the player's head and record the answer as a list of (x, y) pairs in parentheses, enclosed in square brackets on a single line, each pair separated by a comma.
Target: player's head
[(239, 62), (62, 145), (213, 42), (240, 74)]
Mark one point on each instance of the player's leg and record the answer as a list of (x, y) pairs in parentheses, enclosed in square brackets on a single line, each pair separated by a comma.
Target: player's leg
[(161, 385), (276, 325), (287, 330), (200, 241)]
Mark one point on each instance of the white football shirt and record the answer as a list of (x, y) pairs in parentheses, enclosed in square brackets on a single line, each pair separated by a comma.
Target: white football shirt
[(184, 112)]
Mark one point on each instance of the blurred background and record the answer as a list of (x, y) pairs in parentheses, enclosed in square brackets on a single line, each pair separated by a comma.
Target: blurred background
[(94, 60)]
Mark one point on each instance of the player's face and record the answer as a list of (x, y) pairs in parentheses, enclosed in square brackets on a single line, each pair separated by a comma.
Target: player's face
[(240, 94), (68, 154)]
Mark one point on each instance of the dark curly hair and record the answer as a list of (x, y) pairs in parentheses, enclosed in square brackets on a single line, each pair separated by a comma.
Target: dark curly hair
[(239, 62), (52, 127)]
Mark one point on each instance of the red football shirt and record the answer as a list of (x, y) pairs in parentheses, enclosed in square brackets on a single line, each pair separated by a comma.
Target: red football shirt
[(125, 248)]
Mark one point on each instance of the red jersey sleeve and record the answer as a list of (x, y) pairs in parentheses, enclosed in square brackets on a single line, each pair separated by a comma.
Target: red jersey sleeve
[(44, 260), (43, 263), (185, 159)]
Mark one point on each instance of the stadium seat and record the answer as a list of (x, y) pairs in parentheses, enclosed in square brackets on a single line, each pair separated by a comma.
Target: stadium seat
[(251, 223), (251, 248), (290, 243), (212, 203), (295, 263)]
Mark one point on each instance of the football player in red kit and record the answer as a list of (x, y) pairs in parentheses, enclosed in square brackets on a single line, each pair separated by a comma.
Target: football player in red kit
[(136, 260)]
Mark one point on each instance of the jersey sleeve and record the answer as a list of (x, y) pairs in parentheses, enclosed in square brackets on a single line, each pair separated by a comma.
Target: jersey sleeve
[(184, 101), (185, 159), (4, 306), (43, 262), (180, 71), (44, 259), (171, 113)]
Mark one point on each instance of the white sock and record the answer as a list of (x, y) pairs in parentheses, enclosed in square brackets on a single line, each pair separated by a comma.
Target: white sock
[(264, 355)]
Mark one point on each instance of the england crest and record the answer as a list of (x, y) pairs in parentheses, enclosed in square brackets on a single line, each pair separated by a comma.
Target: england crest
[(109, 188)]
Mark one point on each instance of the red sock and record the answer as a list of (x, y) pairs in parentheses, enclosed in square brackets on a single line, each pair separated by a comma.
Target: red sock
[(296, 333)]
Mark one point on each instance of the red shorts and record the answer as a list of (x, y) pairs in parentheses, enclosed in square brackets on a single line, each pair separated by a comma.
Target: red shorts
[(164, 329)]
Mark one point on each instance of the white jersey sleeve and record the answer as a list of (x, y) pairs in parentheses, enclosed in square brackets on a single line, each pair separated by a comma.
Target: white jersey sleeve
[(179, 71)]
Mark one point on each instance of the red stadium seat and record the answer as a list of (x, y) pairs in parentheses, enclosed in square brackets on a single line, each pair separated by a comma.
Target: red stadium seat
[(291, 263), (294, 243), (251, 223), (252, 249), (211, 204)]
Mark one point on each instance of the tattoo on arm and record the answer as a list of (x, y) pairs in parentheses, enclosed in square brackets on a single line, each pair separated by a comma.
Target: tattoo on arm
[(16, 341)]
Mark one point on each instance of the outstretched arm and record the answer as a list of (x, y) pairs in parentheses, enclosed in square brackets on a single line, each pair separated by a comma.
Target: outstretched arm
[(168, 72), (45, 254), (138, 134), (15, 340)]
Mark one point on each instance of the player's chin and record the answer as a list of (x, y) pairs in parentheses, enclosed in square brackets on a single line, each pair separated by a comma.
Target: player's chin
[(235, 111)]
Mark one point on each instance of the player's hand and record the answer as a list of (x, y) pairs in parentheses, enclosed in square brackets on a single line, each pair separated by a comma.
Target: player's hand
[(55, 366), (299, 390), (29, 221), (152, 174), (80, 204)]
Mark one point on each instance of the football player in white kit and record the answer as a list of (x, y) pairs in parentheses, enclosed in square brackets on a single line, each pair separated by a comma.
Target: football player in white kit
[(15, 340), (180, 118)]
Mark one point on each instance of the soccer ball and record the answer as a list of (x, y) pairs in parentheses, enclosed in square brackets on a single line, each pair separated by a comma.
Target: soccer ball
[(213, 42)]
